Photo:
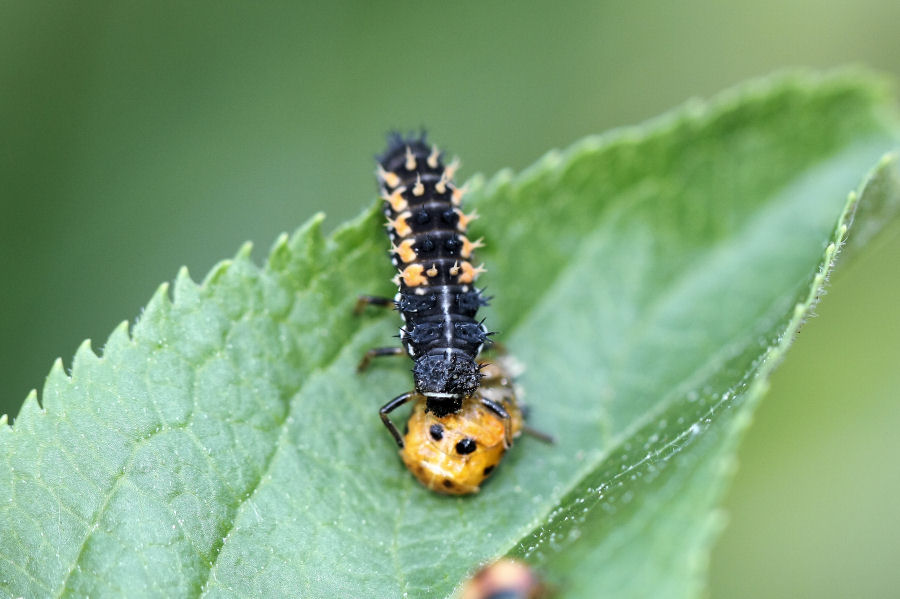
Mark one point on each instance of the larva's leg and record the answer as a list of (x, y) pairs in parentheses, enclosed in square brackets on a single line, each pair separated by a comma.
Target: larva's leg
[(539, 435), (502, 413), (377, 352), (374, 300), (390, 407)]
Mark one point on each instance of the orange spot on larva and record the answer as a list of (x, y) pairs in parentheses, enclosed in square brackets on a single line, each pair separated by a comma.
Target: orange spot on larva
[(469, 273), (389, 178), (441, 186), (458, 192), (418, 188), (432, 272), (465, 219), (433, 157), (410, 160), (405, 250), (399, 224), (452, 168), (469, 246), (412, 275), (396, 199)]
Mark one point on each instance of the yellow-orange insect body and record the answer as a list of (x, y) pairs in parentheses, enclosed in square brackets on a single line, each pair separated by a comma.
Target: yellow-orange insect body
[(456, 452)]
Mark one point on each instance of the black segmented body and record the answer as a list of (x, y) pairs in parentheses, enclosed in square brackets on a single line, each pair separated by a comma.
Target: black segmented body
[(436, 297)]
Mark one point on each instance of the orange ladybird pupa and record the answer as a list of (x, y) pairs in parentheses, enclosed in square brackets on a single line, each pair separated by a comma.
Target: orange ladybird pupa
[(453, 454)]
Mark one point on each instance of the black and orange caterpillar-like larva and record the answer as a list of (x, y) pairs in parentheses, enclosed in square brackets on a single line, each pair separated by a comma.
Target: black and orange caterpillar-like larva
[(437, 297)]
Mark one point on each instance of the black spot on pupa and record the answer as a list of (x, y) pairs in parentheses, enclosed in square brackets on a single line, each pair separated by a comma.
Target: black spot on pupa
[(489, 469), (465, 446), (447, 483), (436, 431)]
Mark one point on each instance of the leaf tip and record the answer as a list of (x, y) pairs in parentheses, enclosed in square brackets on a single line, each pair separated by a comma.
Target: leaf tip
[(281, 242), (183, 273), (158, 301), (85, 357), (244, 251), (303, 246), (54, 387), (118, 339), (31, 407), (280, 254), (311, 230), (185, 289), (154, 313), (216, 272), (58, 369), (888, 158)]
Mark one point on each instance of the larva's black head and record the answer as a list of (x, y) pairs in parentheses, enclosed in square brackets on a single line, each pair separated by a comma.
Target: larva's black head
[(441, 374)]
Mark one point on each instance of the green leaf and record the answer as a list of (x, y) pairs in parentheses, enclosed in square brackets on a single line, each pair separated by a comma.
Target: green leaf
[(649, 279)]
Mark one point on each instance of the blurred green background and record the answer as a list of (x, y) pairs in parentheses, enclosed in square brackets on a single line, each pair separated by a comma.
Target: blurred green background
[(140, 136)]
